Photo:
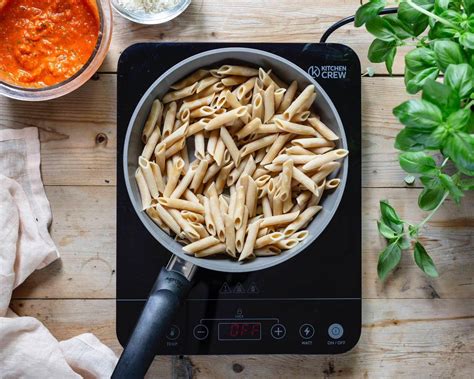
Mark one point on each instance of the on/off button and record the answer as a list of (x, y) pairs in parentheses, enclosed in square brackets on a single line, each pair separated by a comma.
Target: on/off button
[(200, 332), (335, 331)]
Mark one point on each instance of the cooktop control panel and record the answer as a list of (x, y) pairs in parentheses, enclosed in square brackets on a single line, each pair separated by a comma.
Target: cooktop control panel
[(310, 304)]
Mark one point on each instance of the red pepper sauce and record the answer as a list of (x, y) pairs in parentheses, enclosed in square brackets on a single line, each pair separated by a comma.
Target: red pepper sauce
[(44, 42)]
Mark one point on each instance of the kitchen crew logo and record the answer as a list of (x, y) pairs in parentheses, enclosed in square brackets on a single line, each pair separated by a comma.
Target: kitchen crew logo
[(328, 72)]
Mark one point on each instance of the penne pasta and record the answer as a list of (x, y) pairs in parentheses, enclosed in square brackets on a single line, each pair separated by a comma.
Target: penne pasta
[(323, 129), (152, 121), (226, 118), (276, 147), (199, 146), (184, 183), (291, 127), (269, 103), (305, 181), (237, 70), (193, 78), (200, 245), (213, 250), (278, 97), (208, 219), (216, 213), (151, 144), (251, 197), (170, 118), (248, 129), (257, 145), (205, 83), (145, 167), (257, 107), (296, 105), (180, 94), (240, 233), (143, 189), (229, 235), (279, 220), (230, 144), (320, 160), (168, 219), (181, 204), (288, 97), (302, 220), (155, 217), (247, 250)]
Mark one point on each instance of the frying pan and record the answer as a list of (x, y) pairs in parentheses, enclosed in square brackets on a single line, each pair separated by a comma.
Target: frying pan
[(175, 280)]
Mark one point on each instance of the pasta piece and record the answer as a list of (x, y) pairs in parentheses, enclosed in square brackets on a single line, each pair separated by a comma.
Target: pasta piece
[(332, 183), (305, 181), (248, 129), (222, 177), (229, 236), (279, 93), (260, 155), (193, 217), (245, 88), (200, 245), (175, 148), (278, 82), (320, 160), (232, 100), (251, 197), (302, 220), (213, 250), (197, 126), (247, 250), (257, 107), (219, 152), (280, 141), (149, 178), (230, 144), (199, 146), (236, 172), (287, 204), (287, 244), (212, 142), (180, 94), (300, 117), (170, 118), (155, 216), (153, 120), (301, 235), (199, 175), (323, 129), (160, 156), (321, 150), (298, 150), (193, 78), (143, 188), (297, 159), (151, 144), (239, 207), (257, 145), (268, 239), (291, 127), (205, 83), (184, 116), (210, 226), (204, 111), (269, 103), (168, 219), (237, 70), (277, 205), (181, 204), (234, 80), (200, 229), (160, 184), (211, 172), (184, 183), (312, 142), (213, 72), (288, 97), (216, 212), (279, 220), (225, 118), (223, 205), (177, 135), (325, 170), (173, 176), (219, 101), (190, 196), (296, 105), (286, 178), (267, 251), (202, 101)]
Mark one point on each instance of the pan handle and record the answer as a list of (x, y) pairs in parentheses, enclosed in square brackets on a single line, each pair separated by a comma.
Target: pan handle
[(169, 290)]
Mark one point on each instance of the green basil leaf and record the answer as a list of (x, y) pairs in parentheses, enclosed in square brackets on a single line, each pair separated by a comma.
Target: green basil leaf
[(402, 30), (442, 4), (367, 11), (467, 40), (406, 141), (459, 120), (389, 59), (418, 163), (381, 28), (388, 260), (468, 6), (424, 261), (419, 115), (466, 184), (430, 181), (448, 52), (420, 58), (390, 217), (412, 231), (379, 50), (410, 15), (440, 30), (413, 140), (459, 146), (453, 189), (460, 77), (442, 96), (415, 81), (386, 231), (430, 197)]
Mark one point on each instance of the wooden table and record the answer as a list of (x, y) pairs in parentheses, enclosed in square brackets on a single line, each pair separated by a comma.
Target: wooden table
[(412, 325)]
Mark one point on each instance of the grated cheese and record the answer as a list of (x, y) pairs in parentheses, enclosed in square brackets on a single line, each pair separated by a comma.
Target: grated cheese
[(148, 6)]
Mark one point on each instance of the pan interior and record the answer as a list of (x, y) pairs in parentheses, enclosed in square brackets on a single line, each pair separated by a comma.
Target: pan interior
[(285, 70)]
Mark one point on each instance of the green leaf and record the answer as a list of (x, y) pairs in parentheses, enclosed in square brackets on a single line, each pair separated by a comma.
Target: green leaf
[(390, 217), (381, 28), (424, 261), (418, 163), (414, 140), (389, 59), (442, 96), (466, 184), (430, 197), (452, 188), (468, 6), (442, 4), (459, 120), (440, 30), (448, 52), (459, 147), (367, 11), (419, 115), (386, 231), (420, 58), (401, 29), (388, 260), (415, 81), (467, 40), (404, 243), (410, 15), (379, 50), (412, 231), (460, 77)]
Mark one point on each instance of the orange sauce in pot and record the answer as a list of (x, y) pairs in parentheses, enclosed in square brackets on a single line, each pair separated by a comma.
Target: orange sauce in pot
[(44, 42)]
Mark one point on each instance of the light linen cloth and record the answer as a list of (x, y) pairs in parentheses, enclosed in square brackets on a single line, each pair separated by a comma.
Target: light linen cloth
[(27, 348)]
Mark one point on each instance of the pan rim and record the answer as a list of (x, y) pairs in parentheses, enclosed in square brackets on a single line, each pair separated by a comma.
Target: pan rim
[(262, 262)]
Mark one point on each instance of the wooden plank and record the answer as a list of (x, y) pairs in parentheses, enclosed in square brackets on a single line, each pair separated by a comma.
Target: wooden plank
[(84, 231), (73, 152), (257, 21), (400, 337)]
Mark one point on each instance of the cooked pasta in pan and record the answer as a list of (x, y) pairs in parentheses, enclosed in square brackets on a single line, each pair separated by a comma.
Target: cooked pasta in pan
[(259, 163)]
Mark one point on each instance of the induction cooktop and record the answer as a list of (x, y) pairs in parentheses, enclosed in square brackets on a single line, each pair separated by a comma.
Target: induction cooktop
[(310, 304)]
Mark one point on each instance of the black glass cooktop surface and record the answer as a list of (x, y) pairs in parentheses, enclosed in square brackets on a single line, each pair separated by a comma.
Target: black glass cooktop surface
[(310, 304)]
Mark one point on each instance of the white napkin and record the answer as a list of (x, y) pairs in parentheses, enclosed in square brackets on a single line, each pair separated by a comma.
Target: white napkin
[(27, 348)]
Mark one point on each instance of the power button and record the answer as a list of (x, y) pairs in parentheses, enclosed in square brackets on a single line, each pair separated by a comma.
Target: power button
[(335, 331)]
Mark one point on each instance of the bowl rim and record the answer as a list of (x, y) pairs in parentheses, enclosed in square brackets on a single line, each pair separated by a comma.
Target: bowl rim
[(80, 77), (159, 18), (259, 263)]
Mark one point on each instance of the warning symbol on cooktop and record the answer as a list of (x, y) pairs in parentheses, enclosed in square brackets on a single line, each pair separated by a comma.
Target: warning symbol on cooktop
[(225, 288), (253, 288), (239, 288)]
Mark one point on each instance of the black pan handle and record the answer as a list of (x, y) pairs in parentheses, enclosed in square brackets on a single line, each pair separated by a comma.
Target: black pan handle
[(160, 309)]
